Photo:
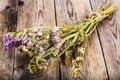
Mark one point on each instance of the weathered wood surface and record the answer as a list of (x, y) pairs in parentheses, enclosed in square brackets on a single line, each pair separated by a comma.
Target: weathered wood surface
[(102, 60), (8, 16)]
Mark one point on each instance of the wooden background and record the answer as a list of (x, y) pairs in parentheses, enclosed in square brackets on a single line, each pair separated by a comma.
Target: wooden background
[(102, 60)]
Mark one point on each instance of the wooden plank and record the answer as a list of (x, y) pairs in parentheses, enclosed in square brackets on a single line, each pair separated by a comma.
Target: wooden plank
[(109, 33), (32, 13), (7, 23), (93, 65)]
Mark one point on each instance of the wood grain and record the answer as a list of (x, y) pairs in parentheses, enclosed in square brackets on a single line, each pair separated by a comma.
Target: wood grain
[(102, 59), (93, 66), (109, 33), (34, 13), (7, 23)]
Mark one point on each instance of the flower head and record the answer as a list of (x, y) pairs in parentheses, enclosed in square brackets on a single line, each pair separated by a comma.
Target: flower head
[(24, 48), (8, 41), (56, 39), (55, 29), (17, 41), (29, 43), (19, 50), (25, 31), (23, 40), (31, 34), (48, 36), (64, 44), (40, 49)]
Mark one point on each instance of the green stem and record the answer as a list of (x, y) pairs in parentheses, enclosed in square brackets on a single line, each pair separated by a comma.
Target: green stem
[(67, 38), (71, 44), (48, 52)]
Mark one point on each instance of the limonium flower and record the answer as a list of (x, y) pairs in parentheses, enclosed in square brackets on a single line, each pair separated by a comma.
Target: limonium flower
[(48, 36), (29, 43), (41, 49), (55, 29), (25, 31), (19, 50), (24, 40), (56, 39), (65, 44), (40, 33), (17, 41), (8, 41), (24, 48)]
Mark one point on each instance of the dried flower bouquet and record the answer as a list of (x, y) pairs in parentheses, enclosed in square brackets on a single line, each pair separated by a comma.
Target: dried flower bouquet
[(46, 47)]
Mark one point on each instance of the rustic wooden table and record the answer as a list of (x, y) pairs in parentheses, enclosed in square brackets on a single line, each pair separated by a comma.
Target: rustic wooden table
[(102, 60)]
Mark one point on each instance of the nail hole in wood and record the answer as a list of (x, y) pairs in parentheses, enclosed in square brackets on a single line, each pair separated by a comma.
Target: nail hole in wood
[(20, 3), (7, 7)]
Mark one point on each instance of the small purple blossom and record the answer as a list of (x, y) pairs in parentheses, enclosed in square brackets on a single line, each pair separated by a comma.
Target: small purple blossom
[(56, 39), (8, 41), (64, 44), (24, 48), (19, 51), (34, 36), (29, 43), (41, 49), (55, 29), (23, 40), (25, 31), (20, 40), (48, 36), (17, 41)]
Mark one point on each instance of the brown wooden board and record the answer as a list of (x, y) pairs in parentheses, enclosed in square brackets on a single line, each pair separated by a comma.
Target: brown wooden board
[(7, 23), (102, 56)]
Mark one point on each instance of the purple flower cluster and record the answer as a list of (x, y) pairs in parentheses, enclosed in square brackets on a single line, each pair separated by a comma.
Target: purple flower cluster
[(23, 40), (41, 50), (17, 41), (10, 41), (56, 39), (19, 50), (29, 43)]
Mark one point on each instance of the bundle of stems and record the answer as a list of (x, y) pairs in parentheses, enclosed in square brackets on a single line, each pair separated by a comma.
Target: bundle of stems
[(46, 47)]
